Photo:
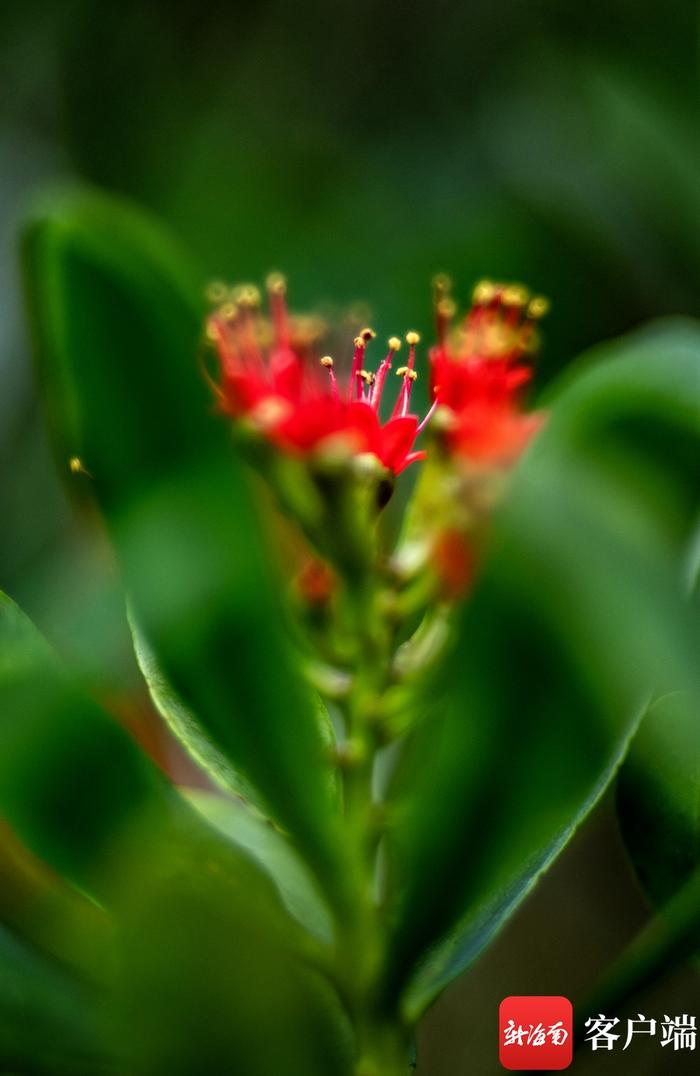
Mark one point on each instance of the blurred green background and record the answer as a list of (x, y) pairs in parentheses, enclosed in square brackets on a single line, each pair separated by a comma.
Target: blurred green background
[(360, 147)]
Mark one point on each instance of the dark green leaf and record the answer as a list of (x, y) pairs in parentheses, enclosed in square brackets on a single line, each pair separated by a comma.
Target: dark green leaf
[(577, 615), (118, 323), (658, 797), (210, 984), (72, 782), (49, 1023)]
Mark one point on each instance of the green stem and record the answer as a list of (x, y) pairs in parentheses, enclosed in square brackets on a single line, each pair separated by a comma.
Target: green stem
[(382, 1043)]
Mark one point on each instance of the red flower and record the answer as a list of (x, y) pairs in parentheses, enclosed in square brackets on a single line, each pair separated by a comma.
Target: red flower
[(272, 375), (478, 371)]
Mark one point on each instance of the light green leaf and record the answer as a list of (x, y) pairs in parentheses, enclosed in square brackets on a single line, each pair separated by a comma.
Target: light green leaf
[(264, 843), (72, 782)]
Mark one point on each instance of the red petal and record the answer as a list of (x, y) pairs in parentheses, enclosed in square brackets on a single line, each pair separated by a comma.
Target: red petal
[(397, 438), (362, 419)]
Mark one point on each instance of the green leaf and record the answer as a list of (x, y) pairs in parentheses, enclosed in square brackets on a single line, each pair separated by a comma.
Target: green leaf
[(118, 324), (72, 782), (186, 726), (209, 983), (79, 791), (259, 839), (577, 615), (50, 1024), (474, 932), (658, 798), (633, 405)]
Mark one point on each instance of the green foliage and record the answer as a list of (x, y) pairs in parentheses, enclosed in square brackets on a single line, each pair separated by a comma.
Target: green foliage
[(577, 614), (576, 620), (50, 1022), (72, 782), (199, 923), (117, 319), (658, 794), (210, 982)]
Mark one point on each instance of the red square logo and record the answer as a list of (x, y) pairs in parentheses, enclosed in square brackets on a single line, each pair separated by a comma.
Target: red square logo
[(536, 1033)]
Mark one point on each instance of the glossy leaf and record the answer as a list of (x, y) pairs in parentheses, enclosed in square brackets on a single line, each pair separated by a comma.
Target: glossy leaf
[(80, 792), (118, 326), (209, 983), (269, 848), (577, 615), (72, 782), (185, 725), (658, 797), (50, 1024)]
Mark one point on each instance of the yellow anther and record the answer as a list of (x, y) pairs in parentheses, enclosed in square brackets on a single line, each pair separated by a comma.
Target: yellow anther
[(216, 292), (394, 343), (447, 308), (412, 375), (276, 283), (405, 371), (358, 341), (515, 295), (538, 307), (412, 339), (484, 292), (246, 295), (76, 466), (228, 311), (442, 283), (367, 376), (368, 334), (251, 296), (327, 361)]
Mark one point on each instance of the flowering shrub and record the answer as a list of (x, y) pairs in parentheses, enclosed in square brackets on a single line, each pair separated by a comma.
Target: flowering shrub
[(396, 727)]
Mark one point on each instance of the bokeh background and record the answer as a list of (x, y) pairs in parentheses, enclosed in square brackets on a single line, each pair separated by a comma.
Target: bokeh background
[(360, 147)]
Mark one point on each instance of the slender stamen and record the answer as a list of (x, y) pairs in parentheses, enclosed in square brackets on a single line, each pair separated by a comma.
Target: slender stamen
[(483, 297), (443, 306), (412, 339), (428, 417), (248, 301), (536, 309), (361, 342), (327, 361), (367, 378), (277, 301), (409, 376), (382, 371), (515, 299), (445, 311)]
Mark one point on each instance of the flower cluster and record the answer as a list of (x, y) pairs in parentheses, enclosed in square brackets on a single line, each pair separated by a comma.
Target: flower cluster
[(272, 375), (479, 367)]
